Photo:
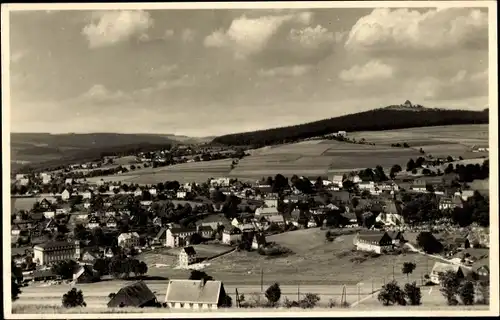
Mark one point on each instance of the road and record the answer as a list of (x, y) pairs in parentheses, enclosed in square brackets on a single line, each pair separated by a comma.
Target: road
[(96, 295)]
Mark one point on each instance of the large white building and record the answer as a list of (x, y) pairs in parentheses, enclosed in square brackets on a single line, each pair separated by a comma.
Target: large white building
[(195, 294), (52, 252), (373, 242), (130, 239)]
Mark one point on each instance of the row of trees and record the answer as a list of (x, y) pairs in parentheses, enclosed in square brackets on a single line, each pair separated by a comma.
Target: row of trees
[(373, 120)]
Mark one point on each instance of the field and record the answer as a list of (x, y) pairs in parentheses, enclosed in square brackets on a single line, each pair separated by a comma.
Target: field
[(324, 157)]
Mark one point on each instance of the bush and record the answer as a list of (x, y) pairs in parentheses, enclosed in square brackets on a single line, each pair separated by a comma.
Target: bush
[(483, 289), (466, 293), (309, 301), (73, 298), (273, 294), (413, 294), (450, 285), (391, 294), (274, 250)]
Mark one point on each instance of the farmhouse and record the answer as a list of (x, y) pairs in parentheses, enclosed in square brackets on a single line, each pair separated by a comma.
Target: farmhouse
[(111, 223), (55, 251), (337, 181), (440, 267), (181, 194), (264, 211), (450, 203), (195, 294), (136, 295), (231, 235), (373, 242), (65, 195), (93, 223), (187, 256)]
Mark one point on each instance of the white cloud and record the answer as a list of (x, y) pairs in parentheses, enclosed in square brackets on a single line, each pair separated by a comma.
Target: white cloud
[(168, 34), (247, 36), (462, 85), (100, 94), (187, 35), (286, 71), (386, 29), (313, 38), (110, 27), (372, 70)]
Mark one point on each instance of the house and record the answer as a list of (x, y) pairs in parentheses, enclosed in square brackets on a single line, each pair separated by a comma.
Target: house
[(54, 251), (85, 274), (129, 239), (366, 185), (138, 192), (135, 295), (276, 219), (24, 181), (51, 225), (440, 267), (419, 185), (481, 269), (19, 176), (153, 191), (264, 211), (396, 236), (231, 235), (351, 216), (221, 182), (271, 202), (178, 237), (15, 230), (187, 256), (146, 203), (65, 195), (108, 253), (111, 223), (45, 204), (89, 257), (390, 219), (195, 294), (337, 181), (181, 194), (373, 242), (68, 181), (46, 178), (259, 240), (49, 214), (87, 194), (213, 221), (448, 203), (157, 221), (466, 194), (161, 236), (93, 222)]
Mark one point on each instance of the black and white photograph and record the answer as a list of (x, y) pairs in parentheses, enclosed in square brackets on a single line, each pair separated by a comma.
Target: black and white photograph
[(226, 159)]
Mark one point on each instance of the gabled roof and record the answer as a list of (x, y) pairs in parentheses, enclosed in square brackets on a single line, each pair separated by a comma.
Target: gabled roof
[(134, 295), (372, 236), (485, 262), (189, 250), (193, 291), (443, 267), (181, 230)]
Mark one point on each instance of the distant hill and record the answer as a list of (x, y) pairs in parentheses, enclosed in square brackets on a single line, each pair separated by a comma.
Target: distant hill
[(391, 117)]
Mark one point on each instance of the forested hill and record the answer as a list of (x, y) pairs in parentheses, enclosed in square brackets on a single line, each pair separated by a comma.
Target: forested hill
[(373, 120)]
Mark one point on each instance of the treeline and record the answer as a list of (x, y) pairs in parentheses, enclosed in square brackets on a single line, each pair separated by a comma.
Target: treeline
[(373, 120), (92, 155)]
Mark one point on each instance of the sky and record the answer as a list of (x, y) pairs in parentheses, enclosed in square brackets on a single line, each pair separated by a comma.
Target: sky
[(213, 72)]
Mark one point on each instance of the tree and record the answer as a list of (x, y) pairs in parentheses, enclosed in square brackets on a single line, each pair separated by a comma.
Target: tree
[(450, 284), (413, 294), (449, 169), (408, 268), (101, 266), (16, 280), (73, 298), (394, 170), (64, 269), (391, 294), (309, 301), (466, 293), (141, 269), (484, 292), (410, 165), (273, 294)]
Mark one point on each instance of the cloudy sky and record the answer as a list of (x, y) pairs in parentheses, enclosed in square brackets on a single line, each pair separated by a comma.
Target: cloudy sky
[(211, 72)]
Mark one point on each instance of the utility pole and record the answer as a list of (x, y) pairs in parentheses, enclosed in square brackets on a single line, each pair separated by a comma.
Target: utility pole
[(261, 282), (237, 299), (393, 272), (358, 293), (298, 292)]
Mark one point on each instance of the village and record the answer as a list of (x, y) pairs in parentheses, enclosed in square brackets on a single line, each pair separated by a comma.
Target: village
[(77, 232)]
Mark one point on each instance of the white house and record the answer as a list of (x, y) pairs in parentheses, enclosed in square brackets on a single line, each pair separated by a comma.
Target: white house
[(194, 294), (19, 176), (466, 194), (187, 256), (373, 242), (130, 239), (178, 237), (46, 178), (271, 202), (87, 194), (231, 235), (366, 185), (93, 223), (419, 185), (221, 182), (111, 223), (65, 195), (49, 214), (153, 192), (181, 194), (24, 181), (440, 267), (68, 181), (337, 181), (138, 192), (263, 211)]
